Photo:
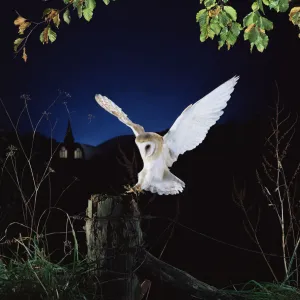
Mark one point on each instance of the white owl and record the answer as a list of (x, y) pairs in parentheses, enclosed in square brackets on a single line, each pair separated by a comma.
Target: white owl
[(160, 152)]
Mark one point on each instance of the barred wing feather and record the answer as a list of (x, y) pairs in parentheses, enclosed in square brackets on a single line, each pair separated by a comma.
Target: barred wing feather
[(117, 111)]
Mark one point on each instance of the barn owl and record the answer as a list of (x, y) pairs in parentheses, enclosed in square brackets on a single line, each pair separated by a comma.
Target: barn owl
[(188, 131)]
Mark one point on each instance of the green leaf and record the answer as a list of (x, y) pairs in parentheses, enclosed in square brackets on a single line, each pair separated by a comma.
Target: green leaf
[(221, 44), (283, 5), (255, 6), (106, 2), (91, 4), (202, 37), (66, 1), (199, 14), (215, 27), (265, 39), (260, 47), (262, 42), (52, 35), (251, 18), (210, 33), (266, 24), (223, 34), (17, 43), (203, 18), (231, 12), (204, 33), (231, 38), (253, 35), (296, 18), (266, 2), (224, 19), (87, 14), (56, 20), (47, 11), (279, 5), (67, 16), (77, 3), (223, 37), (261, 6), (79, 11), (209, 3), (236, 28)]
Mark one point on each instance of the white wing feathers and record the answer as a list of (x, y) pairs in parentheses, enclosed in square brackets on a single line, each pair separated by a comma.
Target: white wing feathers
[(191, 127), (114, 109)]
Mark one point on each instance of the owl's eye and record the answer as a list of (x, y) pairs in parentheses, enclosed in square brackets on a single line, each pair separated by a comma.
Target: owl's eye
[(147, 148)]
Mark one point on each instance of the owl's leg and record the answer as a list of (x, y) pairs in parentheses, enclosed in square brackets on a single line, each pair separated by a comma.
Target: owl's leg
[(137, 189)]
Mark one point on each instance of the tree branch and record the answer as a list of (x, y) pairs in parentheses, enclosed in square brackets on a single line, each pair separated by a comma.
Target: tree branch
[(157, 270)]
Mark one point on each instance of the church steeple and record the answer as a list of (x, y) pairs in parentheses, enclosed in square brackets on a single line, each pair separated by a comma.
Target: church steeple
[(69, 138), (70, 150)]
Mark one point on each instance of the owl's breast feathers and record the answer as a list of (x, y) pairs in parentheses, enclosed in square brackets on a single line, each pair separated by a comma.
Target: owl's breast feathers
[(157, 178)]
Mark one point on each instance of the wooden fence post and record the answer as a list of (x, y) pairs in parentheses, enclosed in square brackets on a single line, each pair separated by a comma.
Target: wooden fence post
[(114, 237)]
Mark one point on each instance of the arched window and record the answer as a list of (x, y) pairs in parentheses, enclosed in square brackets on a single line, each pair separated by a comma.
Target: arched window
[(77, 154), (63, 153)]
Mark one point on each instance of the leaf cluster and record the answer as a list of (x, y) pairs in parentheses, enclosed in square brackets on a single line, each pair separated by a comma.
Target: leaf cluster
[(217, 19), (84, 8), (51, 19)]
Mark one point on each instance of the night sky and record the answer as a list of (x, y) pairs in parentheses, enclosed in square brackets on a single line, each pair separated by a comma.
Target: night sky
[(144, 55)]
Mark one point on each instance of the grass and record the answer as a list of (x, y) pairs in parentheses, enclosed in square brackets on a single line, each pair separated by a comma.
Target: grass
[(36, 277), (253, 290)]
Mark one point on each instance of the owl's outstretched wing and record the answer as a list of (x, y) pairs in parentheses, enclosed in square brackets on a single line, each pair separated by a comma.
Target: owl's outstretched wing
[(112, 108), (191, 127)]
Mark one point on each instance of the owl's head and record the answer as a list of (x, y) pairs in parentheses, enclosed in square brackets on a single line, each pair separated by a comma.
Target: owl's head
[(149, 144)]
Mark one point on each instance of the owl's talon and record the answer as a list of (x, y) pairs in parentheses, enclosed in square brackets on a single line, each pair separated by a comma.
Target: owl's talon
[(138, 189), (135, 189)]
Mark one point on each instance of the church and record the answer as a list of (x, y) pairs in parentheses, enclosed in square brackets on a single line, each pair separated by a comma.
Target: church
[(70, 150)]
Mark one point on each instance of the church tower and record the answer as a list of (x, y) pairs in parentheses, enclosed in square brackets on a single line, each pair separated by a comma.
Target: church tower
[(70, 150), (69, 137)]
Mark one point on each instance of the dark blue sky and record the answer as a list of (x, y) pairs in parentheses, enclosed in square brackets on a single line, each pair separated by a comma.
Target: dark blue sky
[(144, 55)]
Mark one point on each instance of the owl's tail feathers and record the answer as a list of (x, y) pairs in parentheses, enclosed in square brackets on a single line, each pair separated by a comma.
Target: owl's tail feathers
[(169, 185)]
